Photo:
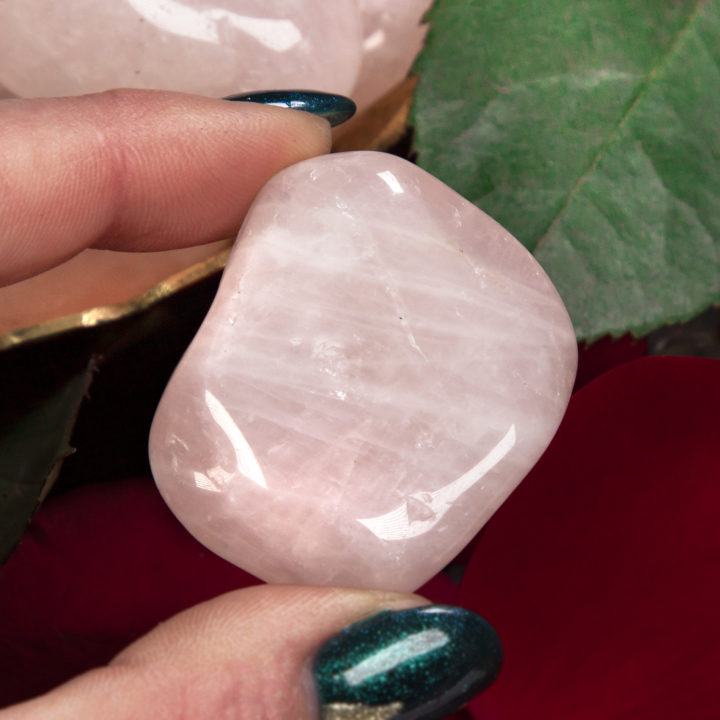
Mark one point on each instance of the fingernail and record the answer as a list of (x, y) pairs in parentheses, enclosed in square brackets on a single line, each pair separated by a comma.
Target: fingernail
[(336, 109), (416, 664)]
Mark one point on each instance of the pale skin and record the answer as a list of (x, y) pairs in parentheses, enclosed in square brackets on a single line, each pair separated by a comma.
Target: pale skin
[(138, 170)]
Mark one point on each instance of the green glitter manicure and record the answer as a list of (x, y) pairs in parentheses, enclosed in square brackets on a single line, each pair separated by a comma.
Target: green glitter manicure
[(336, 109), (418, 664)]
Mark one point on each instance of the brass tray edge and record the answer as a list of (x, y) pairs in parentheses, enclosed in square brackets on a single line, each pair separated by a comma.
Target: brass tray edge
[(104, 314)]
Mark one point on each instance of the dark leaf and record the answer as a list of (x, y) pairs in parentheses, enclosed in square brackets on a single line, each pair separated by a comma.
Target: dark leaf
[(41, 389), (36, 421)]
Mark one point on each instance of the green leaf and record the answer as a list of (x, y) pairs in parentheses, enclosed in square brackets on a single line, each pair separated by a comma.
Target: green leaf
[(34, 440), (591, 130)]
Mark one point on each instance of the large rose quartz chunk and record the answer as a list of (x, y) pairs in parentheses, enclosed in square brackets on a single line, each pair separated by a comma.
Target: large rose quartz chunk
[(382, 365), (210, 47), (393, 35)]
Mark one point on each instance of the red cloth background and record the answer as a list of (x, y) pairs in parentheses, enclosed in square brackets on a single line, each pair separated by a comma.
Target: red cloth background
[(600, 573)]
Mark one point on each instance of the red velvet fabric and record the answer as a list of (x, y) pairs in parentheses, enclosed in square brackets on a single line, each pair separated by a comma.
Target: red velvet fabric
[(601, 573), (98, 568)]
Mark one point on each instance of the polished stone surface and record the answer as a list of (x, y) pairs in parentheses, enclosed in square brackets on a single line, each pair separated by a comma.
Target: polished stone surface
[(382, 365), (393, 36), (211, 48), (359, 47)]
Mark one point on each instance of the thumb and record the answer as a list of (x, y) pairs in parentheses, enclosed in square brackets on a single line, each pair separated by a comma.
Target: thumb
[(289, 653), (135, 170)]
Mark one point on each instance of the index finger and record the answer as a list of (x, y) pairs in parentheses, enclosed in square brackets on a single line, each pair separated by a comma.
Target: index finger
[(135, 170)]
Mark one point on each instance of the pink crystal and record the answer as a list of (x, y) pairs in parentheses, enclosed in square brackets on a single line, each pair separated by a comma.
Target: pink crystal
[(382, 365), (393, 36), (211, 48)]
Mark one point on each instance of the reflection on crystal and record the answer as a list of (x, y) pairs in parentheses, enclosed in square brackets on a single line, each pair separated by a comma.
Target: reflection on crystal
[(179, 19), (373, 41), (393, 37), (408, 520), (213, 48), (247, 464), (203, 482), (391, 181)]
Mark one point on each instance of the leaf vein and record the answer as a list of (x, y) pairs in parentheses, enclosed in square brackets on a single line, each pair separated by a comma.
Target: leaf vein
[(639, 96)]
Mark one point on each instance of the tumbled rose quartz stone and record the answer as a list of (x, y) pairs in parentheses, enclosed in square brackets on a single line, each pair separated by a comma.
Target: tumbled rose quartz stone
[(382, 365), (209, 47), (393, 36)]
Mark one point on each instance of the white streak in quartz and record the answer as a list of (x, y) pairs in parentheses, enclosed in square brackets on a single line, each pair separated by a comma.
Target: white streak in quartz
[(397, 364), (398, 525)]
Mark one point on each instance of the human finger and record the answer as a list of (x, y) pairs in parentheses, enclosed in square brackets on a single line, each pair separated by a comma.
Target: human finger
[(289, 653), (135, 170)]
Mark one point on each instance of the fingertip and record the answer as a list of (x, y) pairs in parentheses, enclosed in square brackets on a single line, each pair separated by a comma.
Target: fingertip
[(260, 644), (188, 167), (289, 136)]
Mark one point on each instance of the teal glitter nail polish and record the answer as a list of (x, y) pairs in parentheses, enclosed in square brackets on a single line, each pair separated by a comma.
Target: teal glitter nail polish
[(416, 664), (336, 109)]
